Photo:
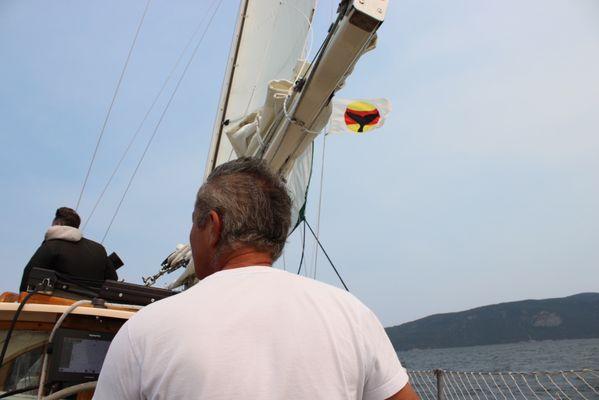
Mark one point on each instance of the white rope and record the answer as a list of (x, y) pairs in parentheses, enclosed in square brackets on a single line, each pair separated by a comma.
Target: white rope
[(419, 387), (507, 385), (498, 387), (543, 387), (160, 121), (448, 379), (558, 388), (147, 114), (452, 381), (274, 15), (478, 384), (573, 386), (491, 392), (116, 91), (467, 391), (72, 307), (430, 387), (585, 382), (307, 48), (529, 387), (429, 377), (451, 373), (471, 386), (288, 116), (516, 383), (446, 386), (459, 385)]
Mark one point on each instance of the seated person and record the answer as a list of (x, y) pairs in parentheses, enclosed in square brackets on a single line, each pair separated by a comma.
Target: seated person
[(66, 251)]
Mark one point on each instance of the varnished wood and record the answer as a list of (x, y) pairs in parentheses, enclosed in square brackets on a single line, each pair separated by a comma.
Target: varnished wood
[(85, 395), (47, 299), (9, 297), (80, 322)]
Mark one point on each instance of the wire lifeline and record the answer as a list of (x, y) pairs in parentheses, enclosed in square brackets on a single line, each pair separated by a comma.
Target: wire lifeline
[(143, 121), (159, 122), (324, 142), (303, 247), (116, 91), (326, 255)]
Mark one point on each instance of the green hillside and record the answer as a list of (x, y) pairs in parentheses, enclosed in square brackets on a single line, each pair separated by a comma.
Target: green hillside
[(573, 317)]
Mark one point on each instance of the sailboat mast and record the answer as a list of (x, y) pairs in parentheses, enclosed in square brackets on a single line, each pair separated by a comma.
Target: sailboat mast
[(226, 90)]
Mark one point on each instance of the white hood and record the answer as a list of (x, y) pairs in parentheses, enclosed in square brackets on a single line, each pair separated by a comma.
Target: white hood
[(63, 232)]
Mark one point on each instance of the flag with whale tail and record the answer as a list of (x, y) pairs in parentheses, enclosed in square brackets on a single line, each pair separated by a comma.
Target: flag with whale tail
[(358, 116)]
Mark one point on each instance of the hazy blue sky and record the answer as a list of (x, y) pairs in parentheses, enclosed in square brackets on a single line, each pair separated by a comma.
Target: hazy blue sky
[(482, 187)]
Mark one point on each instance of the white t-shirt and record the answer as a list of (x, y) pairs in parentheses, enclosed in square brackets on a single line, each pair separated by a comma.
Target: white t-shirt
[(254, 333)]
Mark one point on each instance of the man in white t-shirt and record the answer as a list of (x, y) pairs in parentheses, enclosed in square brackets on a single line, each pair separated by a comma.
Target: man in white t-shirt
[(247, 330)]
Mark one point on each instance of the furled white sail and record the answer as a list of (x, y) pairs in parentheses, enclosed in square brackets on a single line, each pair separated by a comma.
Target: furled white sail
[(262, 111), (270, 41), (270, 38)]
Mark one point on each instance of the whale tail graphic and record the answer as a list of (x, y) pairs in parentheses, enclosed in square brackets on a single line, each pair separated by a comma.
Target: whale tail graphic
[(363, 118), (358, 116)]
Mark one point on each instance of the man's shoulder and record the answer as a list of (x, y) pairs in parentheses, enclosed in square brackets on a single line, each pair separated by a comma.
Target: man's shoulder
[(91, 243), (326, 290), (160, 310)]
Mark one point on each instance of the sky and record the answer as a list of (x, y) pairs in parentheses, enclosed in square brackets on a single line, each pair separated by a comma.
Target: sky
[(482, 187)]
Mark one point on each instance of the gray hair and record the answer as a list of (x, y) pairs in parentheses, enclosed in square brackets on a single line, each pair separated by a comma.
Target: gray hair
[(252, 202)]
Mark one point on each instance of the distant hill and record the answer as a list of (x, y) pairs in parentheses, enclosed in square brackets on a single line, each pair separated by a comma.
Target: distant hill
[(573, 317)]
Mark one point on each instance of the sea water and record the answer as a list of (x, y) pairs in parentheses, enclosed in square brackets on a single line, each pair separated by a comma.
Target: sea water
[(547, 355)]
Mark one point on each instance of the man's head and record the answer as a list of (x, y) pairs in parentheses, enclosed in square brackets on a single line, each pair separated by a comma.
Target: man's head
[(241, 207), (67, 216)]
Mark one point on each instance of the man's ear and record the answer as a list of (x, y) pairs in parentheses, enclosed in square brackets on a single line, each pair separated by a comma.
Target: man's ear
[(216, 226)]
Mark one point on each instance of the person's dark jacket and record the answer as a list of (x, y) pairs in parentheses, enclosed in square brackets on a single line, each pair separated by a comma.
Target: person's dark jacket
[(66, 251)]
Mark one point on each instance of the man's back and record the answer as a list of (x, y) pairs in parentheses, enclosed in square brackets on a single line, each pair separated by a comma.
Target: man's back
[(67, 252), (253, 332)]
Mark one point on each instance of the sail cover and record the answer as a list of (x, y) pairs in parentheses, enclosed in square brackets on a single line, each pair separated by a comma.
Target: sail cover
[(270, 38)]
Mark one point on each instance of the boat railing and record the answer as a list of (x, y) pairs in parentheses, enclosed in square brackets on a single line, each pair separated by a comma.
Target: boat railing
[(541, 385)]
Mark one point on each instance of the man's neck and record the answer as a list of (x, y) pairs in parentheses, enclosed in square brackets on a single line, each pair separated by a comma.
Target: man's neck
[(246, 257)]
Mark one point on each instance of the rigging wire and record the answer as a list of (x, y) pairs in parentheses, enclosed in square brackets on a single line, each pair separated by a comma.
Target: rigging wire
[(191, 58), (324, 142), (147, 114), (303, 248), (114, 96), (326, 255), (284, 262)]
